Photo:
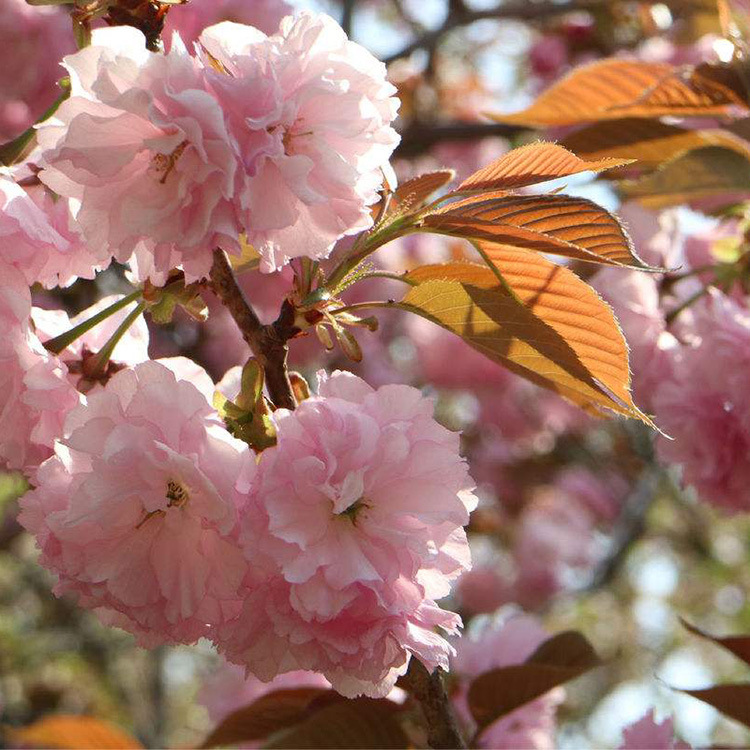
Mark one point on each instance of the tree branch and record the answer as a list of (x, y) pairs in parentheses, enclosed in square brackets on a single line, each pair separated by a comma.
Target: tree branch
[(267, 342), (421, 136), (518, 10), (429, 690)]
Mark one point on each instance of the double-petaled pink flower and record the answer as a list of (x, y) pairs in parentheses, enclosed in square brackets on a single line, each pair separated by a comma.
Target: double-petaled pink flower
[(354, 532), (136, 512)]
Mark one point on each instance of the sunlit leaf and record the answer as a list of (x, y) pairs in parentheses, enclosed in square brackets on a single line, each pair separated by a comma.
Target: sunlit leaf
[(72, 733), (532, 164), (271, 713), (558, 660), (358, 723), (414, 192), (559, 224), (542, 322), (648, 142), (732, 700), (614, 89), (710, 172)]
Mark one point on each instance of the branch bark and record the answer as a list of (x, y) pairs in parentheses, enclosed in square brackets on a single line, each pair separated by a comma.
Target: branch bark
[(268, 343), (429, 690), (518, 10)]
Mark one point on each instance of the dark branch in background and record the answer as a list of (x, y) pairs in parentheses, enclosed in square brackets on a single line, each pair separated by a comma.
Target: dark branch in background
[(347, 16), (429, 690), (267, 342), (517, 11), (421, 136), (629, 527)]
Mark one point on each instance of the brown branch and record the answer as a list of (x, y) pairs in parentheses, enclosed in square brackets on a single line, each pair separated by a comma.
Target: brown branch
[(267, 342), (528, 10), (421, 136), (429, 690)]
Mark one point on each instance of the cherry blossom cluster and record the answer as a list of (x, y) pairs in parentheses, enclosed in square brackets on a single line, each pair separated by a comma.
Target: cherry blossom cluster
[(163, 157), (328, 554), (329, 550)]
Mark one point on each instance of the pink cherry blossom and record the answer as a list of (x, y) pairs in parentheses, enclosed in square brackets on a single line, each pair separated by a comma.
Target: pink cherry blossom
[(144, 148), (648, 734), (501, 642), (136, 512), (634, 296), (357, 530), (36, 237), (311, 112), (33, 40), (35, 394), (554, 540), (704, 407), (190, 20)]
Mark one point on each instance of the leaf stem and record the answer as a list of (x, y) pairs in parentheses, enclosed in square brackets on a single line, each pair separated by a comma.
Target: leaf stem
[(102, 358), (58, 343), (693, 298)]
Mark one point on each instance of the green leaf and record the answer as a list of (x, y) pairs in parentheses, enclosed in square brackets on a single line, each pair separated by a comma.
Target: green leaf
[(558, 660)]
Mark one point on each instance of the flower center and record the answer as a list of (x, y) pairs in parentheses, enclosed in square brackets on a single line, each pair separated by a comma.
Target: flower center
[(176, 497), (353, 510), (163, 164)]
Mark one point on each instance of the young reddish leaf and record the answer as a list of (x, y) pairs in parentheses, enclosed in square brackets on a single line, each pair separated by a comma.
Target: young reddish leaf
[(648, 142), (414, 192), (271, 713), (739, 645), (531, 164), (713, 171), (732, 700), (358, 723), (558, 660), (559, 224), (71, 733), (541, 322), (613, 89)]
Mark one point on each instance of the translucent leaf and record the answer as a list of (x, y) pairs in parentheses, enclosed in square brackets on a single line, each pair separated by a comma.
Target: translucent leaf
[(414, 192), (531, 164), (559, 224), (541, 322), (72, 732), (648, 142), (614, 89), (711, 172)]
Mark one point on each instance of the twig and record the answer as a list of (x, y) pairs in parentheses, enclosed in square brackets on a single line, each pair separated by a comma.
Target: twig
[(429, 690), (347, 16), (520, 11), (629, 528), (421, 136), (267, 342)]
